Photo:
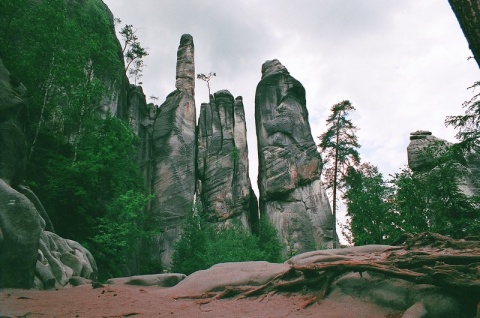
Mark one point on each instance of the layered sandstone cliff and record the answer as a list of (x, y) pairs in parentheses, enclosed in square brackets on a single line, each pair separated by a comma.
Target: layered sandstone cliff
[(224, 186), (173, 155)]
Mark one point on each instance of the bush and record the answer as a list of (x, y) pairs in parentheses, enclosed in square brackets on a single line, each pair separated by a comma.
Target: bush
[(202, 245)]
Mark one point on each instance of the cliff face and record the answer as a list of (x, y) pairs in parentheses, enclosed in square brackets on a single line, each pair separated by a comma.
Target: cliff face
[(291, 193), (223, 183), (173, 155)]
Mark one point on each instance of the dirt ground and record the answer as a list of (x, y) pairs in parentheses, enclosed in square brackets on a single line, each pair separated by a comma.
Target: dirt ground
[(135, 301)]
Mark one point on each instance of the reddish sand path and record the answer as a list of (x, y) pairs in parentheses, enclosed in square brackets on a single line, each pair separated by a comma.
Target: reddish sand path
[(135, 301)]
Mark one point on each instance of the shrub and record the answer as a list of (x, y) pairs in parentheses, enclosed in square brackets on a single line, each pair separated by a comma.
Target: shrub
[(202, 245)]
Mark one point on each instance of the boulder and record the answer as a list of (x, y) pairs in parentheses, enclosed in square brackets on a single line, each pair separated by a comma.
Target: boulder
[(20, 228), (291, 193), (61, 261), (223, 181), (162, 280), (415, 300), (418, 158), (173, 171), (236, 274)]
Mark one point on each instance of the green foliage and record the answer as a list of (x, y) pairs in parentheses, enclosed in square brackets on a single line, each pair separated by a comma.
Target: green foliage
[(98, 199), (235, 154), (468, 125), (367, 197), (202, 245), (411, 202), (339, 144), (268, 241), (190, 250), (433, 201), (119, 232), (132, 51)]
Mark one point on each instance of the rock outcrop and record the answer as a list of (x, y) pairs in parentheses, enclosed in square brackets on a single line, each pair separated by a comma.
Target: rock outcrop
[(223, 183), (61, 261), (291, 193), (424, 150), (420, 141), (174, 156)]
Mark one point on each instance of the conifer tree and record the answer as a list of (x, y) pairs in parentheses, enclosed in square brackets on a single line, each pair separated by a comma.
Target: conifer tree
[(338, 147)]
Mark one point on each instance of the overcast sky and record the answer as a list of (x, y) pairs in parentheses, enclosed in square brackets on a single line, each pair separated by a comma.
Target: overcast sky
[(402, 64)]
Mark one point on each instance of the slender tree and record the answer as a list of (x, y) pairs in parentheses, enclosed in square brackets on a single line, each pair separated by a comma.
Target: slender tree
[(132, 51), (338, 146), (206, 79)]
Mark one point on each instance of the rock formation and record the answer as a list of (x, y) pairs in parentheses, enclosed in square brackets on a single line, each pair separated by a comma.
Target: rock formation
[(173, 155), (424, 148), (29, 255), (61, 261), (291, 193), (223, 182)]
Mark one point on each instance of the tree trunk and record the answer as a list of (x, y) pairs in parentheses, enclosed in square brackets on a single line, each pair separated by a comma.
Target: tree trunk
[(335, 181), (468, 15)]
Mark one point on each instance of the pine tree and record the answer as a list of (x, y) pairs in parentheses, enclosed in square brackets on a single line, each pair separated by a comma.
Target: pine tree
[(338, 146)]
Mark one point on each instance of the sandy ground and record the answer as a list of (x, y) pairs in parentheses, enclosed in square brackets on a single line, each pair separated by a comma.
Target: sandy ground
[(135, 301)]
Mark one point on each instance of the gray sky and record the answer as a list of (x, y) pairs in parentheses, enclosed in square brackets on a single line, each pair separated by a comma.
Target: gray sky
[(402, 64)]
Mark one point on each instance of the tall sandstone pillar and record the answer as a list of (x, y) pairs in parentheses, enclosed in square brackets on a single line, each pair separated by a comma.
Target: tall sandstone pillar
[(222, 164), (291, 193), (174, 156)]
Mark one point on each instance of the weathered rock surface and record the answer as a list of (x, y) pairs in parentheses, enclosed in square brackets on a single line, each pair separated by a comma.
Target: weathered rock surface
[(20, 227), (222, 162), (416, 300), (291, 193), (424, 149), (61, 260), (162, 280), (174, 156), (420, 140), (235, 274)]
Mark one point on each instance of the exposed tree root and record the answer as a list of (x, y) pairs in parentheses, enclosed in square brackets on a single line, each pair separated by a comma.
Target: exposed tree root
[(426, 258)]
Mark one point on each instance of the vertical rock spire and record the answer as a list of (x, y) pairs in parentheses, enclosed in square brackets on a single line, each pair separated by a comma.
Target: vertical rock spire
[(291, 193), (222, 162), (173, 156), (186, 65)]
